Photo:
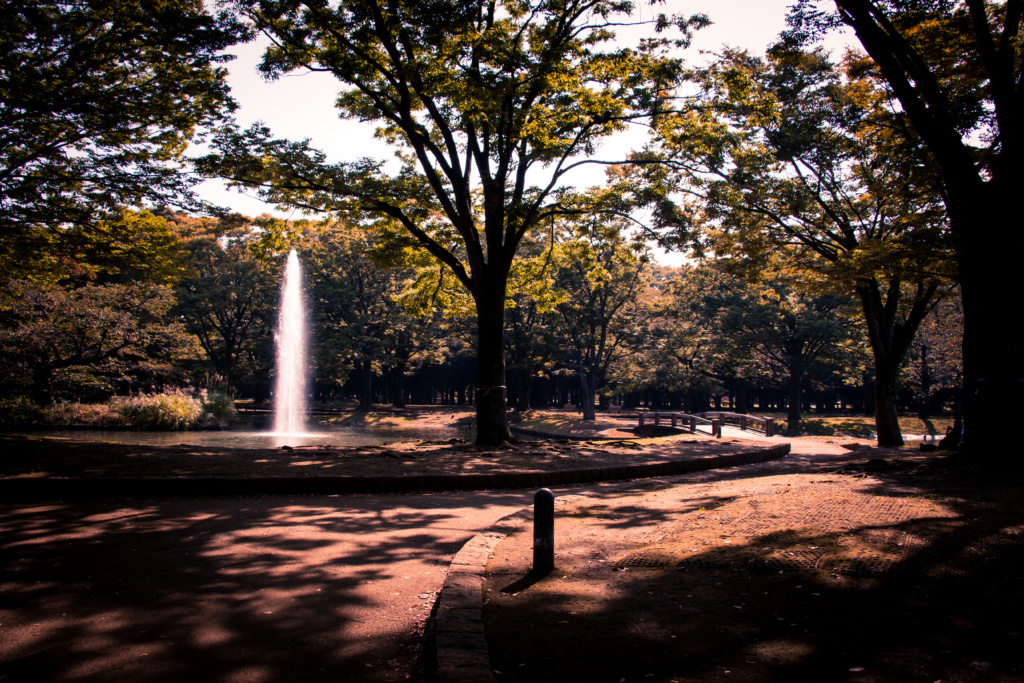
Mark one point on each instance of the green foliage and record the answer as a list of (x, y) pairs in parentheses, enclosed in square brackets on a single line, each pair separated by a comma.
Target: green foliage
[(20, 411), (94, 415), (125, 246), (796, 169), (489, 106), (65, 342), (712, 327), (360, 306), (99, 100), (953, 72), (220, 405), (600, 275), (169, 411), (829, 427), (228, 299)]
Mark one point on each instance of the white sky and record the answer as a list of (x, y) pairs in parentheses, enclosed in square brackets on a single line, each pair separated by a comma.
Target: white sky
[(301, 105)]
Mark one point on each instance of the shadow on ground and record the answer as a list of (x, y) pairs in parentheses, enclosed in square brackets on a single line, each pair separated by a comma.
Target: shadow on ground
[(265, 589), (869, 573)]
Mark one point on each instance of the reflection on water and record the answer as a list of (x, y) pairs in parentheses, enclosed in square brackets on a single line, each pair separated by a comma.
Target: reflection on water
[(336, 436)]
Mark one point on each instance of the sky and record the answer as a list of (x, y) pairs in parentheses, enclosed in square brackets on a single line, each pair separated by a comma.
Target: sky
[(301, 105)]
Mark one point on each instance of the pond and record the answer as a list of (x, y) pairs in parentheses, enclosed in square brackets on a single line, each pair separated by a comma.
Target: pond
[(246, 437)]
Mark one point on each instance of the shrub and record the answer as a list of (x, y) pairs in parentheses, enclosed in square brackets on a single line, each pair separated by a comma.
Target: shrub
[(222, 405), (173, 410), (98, 415), (20, 412)]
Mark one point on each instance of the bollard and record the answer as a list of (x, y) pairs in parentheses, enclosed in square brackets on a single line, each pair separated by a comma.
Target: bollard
[(543, 532)]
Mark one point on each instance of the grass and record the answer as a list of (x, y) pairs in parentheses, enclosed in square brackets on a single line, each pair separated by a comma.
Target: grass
[(862, 426)]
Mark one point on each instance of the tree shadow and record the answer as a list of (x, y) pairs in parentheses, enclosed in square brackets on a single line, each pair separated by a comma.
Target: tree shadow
[(946, 608), (261, 589)]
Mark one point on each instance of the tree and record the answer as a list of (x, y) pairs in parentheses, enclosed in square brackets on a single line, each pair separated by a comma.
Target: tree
[(936, 373), (955, 68), (489, 104), (360, 322), (124, 246), (228, 299), (601, 275), (60, 341), (716, 329), (530, 315), (785, 333), (97, 102), (682, 351), (793, 168)]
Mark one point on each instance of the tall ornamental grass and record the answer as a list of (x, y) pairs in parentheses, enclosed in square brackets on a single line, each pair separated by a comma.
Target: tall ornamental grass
[(172, 410)]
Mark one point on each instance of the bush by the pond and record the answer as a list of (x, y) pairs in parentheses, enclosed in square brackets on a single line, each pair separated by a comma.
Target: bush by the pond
[(172, 410), (20, 412), (98, 415), (220, 405)]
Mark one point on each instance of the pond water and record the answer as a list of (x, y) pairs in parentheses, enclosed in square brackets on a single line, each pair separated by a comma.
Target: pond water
[(249, 438)]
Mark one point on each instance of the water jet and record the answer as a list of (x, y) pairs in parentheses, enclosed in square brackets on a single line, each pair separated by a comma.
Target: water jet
[(292, 334)]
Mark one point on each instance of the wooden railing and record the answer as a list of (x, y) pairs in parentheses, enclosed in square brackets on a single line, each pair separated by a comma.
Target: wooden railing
[(682, 419), (714, 420), (763, 424)]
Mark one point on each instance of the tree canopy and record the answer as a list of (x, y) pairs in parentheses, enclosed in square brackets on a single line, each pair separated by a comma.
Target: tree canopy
[(956, 71), (490, 105), (98, 100), (794, 167)]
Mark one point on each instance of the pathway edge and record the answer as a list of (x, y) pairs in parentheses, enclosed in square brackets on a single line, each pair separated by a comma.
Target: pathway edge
[(79, 488), (461, 639)]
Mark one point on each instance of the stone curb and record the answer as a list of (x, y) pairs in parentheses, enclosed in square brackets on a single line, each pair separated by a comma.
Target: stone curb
[(462, 650), (79, 488)]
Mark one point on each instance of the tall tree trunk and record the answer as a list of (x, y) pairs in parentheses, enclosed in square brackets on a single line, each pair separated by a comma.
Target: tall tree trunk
[(366, 391), (887, 424), (491, 423), (398, 391), (588, 392), (795, 398), (890, 341), (524, 380), (741, 397), (993, 355)]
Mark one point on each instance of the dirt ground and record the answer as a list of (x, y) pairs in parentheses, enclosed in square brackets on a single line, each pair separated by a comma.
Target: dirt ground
[(65, 457), (894, 568), (888, 566)]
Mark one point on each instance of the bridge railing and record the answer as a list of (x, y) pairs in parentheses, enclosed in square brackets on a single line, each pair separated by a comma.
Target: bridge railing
[(682, 420), (714, 420), (744, 422)]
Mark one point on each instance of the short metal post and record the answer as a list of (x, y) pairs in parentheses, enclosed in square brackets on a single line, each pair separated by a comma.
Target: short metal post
[(543, 532)]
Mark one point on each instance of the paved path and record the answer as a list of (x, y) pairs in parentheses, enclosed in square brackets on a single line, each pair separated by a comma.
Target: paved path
[(257, 589), (239, 589)]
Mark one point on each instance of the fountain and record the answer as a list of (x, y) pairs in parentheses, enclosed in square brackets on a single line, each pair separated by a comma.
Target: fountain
[(290, 391), (290, 423)]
